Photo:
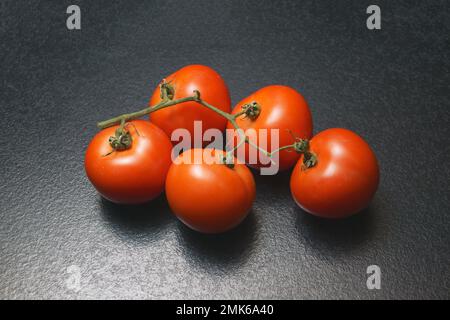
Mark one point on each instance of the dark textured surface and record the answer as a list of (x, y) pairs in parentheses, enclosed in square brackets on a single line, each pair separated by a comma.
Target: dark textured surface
[(390, 86)]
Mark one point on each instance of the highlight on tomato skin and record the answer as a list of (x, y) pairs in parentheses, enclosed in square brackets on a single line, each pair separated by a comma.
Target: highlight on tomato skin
[(344, 179), (282, 108), (132, 176), (209, 197), (183, 82)]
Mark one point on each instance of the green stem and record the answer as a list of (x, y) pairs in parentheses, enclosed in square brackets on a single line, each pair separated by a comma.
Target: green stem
[(167, 102), (289, 146), (224, 114), (242, 137), (135, 115), (237, 115)]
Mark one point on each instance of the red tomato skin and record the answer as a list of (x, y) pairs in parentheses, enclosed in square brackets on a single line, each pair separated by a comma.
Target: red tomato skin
[(209, 198), (282, 108), (344, 180), (213, 90), (131, 176)]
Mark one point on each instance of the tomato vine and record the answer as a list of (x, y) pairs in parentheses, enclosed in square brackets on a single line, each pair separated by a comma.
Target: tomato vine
[(122, 141)]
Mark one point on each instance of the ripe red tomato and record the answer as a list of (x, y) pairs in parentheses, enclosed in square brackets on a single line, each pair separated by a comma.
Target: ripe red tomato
[(344, 179), (282, 108), (134, 175), (184, 81), (209, 197)]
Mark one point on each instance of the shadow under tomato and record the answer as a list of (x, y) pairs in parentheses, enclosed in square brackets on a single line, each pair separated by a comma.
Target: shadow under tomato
[(336, 235), (141, 223), (214, 251)]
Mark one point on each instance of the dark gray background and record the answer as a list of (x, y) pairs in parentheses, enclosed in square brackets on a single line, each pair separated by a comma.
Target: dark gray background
[(391, 86)]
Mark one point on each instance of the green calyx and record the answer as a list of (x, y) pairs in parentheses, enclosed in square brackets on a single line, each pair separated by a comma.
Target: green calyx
[(301, 145), (167, 90), (228, 160), (121, 140), (252, 110), (309, 158)]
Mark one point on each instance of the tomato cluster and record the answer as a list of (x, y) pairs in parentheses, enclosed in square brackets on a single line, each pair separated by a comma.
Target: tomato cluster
[(335, 172)]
